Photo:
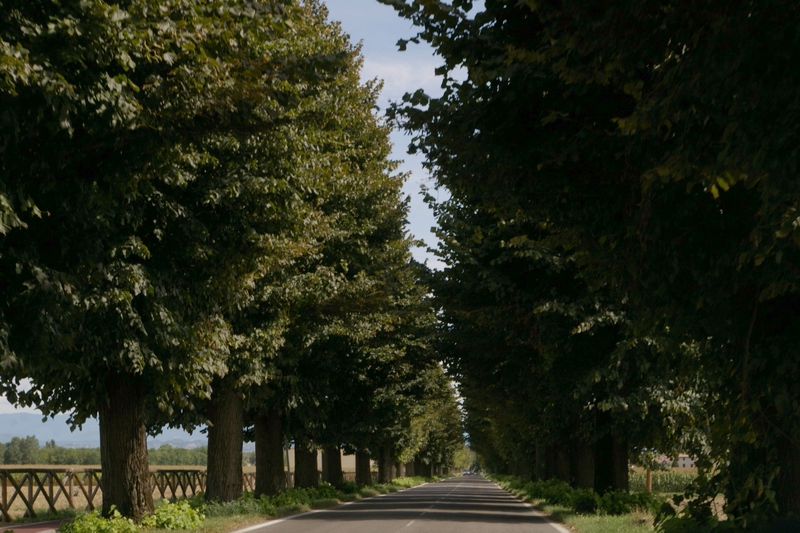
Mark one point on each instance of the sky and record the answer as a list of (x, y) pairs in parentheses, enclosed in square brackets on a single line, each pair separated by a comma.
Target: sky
[(378, 28)]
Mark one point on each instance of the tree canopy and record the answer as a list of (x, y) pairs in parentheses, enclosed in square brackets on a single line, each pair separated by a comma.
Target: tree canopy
[(649, 148), (196, 200)]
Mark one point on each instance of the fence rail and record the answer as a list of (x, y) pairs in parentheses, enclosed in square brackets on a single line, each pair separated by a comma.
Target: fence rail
[(28, 492)]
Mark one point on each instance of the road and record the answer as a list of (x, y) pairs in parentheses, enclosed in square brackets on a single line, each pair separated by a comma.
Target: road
[(469, 504)]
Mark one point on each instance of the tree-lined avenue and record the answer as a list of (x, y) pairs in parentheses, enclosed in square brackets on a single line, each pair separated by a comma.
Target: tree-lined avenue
[(462, 504)]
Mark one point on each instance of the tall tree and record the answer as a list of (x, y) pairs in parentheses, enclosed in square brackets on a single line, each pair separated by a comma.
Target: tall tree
[(114, 283), (653, 141)]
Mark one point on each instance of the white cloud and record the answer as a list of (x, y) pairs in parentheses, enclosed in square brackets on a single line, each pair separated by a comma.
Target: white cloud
[(7, 408), (402, 77)]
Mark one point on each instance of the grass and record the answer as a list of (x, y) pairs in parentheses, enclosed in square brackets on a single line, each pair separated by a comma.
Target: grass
[(224, 524), (637, 522), (582, 510), (42, 515)]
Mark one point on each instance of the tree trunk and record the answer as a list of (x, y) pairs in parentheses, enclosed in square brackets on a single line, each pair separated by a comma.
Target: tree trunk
[(563, 470), (363, 469), (787, 487), (385, 465), (611, 464), (305, 466), (270, 474), (225, 438), (126, 481), (621, 474), (545, 462), (422, 469), (399, 469), (410, 469), (604, 464), (582, 465), (332, 465)]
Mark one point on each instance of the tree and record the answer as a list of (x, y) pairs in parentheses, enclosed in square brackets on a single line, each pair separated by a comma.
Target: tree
[(345, 309), (115, 276), (21, 451), (650, 140)]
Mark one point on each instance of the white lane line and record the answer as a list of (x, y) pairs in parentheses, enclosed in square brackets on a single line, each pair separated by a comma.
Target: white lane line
[(277, 521)]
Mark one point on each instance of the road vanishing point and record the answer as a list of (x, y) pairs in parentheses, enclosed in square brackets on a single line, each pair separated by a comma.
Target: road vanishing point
[(469, 504)]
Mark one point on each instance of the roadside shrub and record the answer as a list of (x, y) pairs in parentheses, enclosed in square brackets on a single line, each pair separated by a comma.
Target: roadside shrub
[(554, 492), (94, 523), (408, 482), (349, 487), (243, 505), (616, 503), (584, 501), (322, 491), (179, 515), (647, 501), (293, 496), (348, 497)]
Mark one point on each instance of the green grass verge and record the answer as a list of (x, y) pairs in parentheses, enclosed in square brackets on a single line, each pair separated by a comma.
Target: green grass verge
[(636, 522), (324, 503)]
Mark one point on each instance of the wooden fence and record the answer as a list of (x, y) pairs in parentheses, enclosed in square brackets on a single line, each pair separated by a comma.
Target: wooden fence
[(26, 492)]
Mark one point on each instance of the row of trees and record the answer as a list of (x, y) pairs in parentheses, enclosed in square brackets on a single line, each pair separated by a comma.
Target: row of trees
[(621, 237), (26, 451), (199, 224), (19, 451)]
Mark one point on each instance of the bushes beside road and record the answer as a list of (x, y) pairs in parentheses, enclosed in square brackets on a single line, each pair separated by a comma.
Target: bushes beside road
[(585, 511), (584, 501)]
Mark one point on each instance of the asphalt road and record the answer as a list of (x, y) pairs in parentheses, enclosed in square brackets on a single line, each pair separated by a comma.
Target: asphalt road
[(469, 504)]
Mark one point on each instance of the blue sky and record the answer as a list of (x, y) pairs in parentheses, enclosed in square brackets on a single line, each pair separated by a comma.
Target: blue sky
[(378, 28)]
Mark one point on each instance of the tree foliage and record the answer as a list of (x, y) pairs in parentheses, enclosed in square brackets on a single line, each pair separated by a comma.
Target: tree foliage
[(21, 451), (196, 202), (650, 145)]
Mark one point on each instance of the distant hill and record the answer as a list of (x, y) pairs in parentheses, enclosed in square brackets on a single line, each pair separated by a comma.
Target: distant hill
[(25, 424)]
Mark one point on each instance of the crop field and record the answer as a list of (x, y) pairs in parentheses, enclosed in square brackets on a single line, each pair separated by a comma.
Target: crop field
[(670, 481)]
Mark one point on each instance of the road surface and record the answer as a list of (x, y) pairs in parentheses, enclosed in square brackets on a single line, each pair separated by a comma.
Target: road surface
[(469, 504)]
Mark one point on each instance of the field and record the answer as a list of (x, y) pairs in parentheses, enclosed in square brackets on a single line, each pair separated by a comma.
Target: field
[(673, 481)]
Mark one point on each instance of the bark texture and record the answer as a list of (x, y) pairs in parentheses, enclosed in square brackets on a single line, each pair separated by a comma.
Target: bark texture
[(363, 469), (270, 474), (787, 490), (385, 465), (545, 460), (563, 470), (123, 448), (305, 467), (611, 464), (422, 468), (225, 439), (332, 465), (582, 465)]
